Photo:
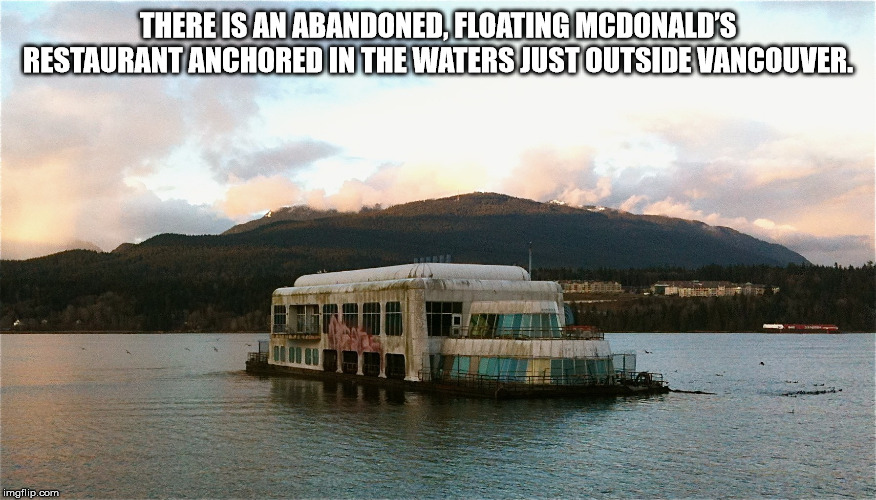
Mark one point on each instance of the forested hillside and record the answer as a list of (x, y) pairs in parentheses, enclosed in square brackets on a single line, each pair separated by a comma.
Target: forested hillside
[(223, 282), (200, 290), (807, 294)]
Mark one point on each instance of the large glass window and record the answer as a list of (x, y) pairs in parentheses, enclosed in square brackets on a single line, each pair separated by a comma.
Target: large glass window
[(350, 315), (483, 325), (371, 317), (279, 318), (539, 325), (371, 364), (330, 360), (349, 361), (568, 370), (440, 318), (561, 369), (306, 318), (395, 366), (393, 318), (461, 365), (328, 310), (489, 367)]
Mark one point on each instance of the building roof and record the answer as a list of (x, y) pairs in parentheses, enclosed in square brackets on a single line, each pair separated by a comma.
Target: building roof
[(407, 271)]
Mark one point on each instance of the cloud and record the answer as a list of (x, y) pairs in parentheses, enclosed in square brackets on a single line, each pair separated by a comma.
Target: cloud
[(546, 174), (106, 158), (102, 222), (391, 184), (285, 158), (259, 194), (74, 23), (847, 248)]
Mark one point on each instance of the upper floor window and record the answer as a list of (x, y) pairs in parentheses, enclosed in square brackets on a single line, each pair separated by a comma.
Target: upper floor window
[(306, 318), (350, 315), (371, 317), (279, 318), (328, 310), (443, 318), (393, 318)]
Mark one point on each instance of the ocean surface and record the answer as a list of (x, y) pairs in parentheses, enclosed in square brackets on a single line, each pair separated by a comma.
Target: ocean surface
[(148, 416)]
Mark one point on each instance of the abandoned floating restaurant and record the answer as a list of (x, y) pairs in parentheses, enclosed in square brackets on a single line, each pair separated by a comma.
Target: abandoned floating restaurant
[(456, 328)]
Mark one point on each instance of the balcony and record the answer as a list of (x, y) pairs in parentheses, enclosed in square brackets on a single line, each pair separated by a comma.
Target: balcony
[(310, 332), (550, 333)]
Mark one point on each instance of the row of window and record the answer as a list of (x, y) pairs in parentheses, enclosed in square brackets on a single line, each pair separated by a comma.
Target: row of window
[(516, 369), (539, 325), (442, 319), (460, 367), (306, 318), (311, 356), (394, 368), (565, 367)]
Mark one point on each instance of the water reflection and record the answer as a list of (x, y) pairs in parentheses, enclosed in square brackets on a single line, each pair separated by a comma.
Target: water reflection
[(179, 418)]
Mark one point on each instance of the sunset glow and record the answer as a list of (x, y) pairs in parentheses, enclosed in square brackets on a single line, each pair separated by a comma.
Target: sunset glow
[(114, 159)]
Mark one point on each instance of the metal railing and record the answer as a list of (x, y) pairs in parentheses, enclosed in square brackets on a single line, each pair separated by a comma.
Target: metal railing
[(258, 357), (549, 333), (479, 381), (303, 334), (510, 380)]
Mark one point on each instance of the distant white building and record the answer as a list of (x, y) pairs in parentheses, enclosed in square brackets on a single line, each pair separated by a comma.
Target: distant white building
[(697, 288), (577, 286)]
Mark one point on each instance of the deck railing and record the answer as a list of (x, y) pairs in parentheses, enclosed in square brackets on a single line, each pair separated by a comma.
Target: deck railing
[(478, 381), (549, 333), (509, 380), (308, 334), (258, 357)]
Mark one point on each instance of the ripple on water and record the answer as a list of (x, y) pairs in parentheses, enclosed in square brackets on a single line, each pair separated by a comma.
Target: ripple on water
[(189, 423)]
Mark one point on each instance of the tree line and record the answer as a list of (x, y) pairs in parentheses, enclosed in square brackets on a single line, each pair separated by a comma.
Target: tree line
[(209, 288), (845, 296)]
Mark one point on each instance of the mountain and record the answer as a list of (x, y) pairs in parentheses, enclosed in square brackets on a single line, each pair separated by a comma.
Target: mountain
[(296, 213), (222, 282), (498, 229)]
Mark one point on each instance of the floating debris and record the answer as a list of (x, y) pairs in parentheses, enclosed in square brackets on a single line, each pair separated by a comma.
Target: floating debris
[(692, 392), (809, 393)]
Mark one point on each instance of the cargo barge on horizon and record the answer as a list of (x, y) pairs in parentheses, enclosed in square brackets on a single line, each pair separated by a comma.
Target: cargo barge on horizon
[(481, 330), (799, 328)]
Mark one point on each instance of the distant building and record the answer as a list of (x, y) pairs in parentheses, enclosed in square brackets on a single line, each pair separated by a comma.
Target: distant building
[(708, 288), (577, 286)]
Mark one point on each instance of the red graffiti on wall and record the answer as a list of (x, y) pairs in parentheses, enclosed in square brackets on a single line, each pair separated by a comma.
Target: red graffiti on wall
[(345, 338)]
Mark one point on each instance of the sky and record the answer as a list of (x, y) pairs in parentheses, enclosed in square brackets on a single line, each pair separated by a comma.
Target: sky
[(100, 160)]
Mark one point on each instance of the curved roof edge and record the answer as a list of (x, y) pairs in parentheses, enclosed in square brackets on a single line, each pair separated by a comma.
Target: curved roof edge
[(428, 270)]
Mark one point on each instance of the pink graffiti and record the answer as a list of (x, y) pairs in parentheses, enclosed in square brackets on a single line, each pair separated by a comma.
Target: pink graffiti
[(345, 338)]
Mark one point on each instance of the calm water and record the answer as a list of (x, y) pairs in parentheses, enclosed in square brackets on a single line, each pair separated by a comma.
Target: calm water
[(178, 417)]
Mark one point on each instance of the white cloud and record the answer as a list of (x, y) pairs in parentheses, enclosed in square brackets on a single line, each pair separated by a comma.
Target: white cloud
[(784, 157)]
